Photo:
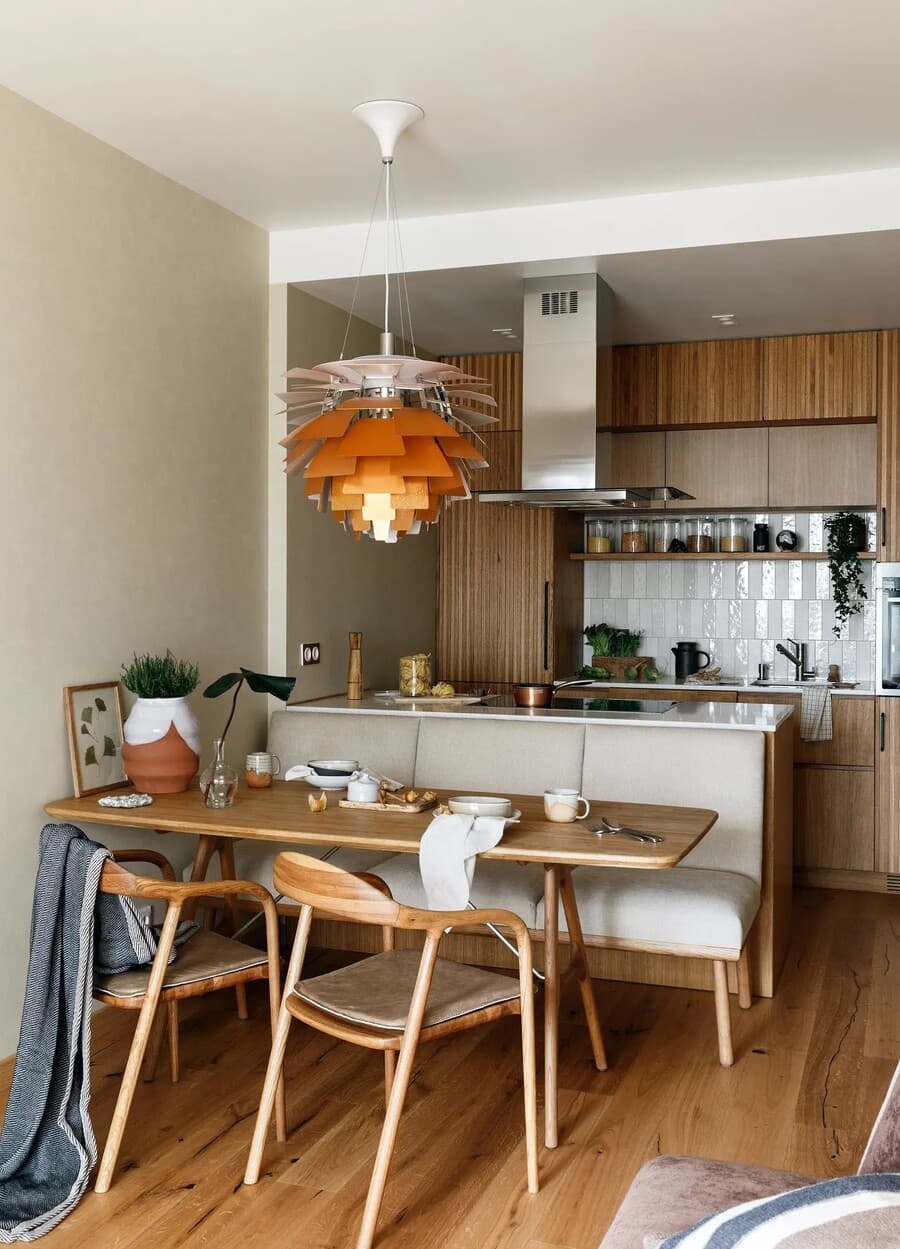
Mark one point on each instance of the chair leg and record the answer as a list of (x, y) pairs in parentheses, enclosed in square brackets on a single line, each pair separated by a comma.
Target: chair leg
[(154, 1049), (228, 872), (578, 957), (136, 1054), (529, 1064), (399, 1086), (745, 993), (551, 1003), (174, 1054), (390, 1066), (723, 1013)]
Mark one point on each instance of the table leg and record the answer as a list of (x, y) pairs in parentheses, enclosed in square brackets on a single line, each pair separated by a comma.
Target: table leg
[(578, 960), (551, 1001), (206, 848), (228, 872)]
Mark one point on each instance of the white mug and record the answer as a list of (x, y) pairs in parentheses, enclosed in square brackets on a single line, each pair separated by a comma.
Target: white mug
[(561, 805), (260, 768)]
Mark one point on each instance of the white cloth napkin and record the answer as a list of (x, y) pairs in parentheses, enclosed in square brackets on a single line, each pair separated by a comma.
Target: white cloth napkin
[(447, 853)]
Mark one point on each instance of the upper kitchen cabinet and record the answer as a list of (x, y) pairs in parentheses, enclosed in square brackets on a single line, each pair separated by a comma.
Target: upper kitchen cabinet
[(503, 372), (503, 452), (719, 467), (829, 466), (889, 445), (819, 377), (709, 383), (634, 388)]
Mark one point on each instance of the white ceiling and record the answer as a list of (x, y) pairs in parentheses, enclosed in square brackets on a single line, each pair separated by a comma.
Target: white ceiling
[(845, 282), (526, 102)]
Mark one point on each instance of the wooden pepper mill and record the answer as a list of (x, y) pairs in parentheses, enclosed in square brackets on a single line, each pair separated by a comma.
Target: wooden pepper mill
[(355, 685)]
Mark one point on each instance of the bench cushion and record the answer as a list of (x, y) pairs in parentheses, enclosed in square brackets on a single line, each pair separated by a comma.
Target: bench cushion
[(386, 742), (670, 1194), (722, 769), (498, 756), (680, 906), (504, 885)]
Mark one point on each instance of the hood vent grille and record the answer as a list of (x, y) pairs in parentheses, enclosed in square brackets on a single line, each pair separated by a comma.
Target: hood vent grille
[(558, 303)]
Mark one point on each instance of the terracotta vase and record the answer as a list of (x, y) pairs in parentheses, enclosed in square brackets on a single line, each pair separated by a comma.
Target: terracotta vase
[(161, 750)]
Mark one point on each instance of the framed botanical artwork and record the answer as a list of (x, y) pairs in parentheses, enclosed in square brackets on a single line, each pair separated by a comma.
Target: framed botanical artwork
[(94, 723)]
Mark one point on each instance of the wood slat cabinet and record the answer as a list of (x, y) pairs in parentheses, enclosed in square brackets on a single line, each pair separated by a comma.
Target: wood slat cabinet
[(509, 605), (889, 445), (503, 452), (634, 387), (887, 780), (822, 466), (503, 370), (834, 786), (709, 383), (819, 377)]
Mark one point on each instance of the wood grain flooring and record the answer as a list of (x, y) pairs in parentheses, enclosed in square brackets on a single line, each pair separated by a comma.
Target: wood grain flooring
[(812, 1065)]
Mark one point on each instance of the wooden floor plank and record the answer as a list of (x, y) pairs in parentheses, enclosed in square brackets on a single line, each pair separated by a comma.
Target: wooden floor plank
[(812, 1066)]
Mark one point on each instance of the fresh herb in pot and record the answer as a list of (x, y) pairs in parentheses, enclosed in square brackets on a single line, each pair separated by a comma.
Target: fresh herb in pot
[(847, 535), (607, 640)]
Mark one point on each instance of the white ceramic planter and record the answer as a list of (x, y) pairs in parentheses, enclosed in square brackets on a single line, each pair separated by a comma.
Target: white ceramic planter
[(149, 720)]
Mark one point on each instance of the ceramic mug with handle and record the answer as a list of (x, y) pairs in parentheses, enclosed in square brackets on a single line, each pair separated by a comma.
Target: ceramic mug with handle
[(260, 768), (561, 805)]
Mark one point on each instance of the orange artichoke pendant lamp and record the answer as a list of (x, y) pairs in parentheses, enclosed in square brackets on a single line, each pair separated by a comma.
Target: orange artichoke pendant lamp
[(383, 442)]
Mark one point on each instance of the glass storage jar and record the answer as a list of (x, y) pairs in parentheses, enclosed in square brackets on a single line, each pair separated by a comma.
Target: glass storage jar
[(667, 530), (734, 533), (415, 675), (635, 537), (701, 534), (600, 537)]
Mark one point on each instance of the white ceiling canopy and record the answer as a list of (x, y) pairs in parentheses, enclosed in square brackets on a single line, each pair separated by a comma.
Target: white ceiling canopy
[(526, 103)]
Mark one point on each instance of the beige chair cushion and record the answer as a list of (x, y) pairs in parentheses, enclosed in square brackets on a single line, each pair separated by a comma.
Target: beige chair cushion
[(722, 769), (498, 756), (504, 885), (205, 955), (386, 742), (377, 991), (679, 906)]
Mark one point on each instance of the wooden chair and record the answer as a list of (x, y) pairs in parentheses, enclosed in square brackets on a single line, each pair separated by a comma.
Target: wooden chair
[(207, 962), (392, 1001)]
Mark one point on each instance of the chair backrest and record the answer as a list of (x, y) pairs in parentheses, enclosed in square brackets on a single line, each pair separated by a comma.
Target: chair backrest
[(330, 889), (882, 1153)]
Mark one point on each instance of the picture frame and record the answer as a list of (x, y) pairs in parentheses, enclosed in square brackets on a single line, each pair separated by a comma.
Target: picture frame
[(95, 727)]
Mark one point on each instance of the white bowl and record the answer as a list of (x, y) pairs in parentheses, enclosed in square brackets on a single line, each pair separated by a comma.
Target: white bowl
[(327, 782), (474, 804), (333, 767)]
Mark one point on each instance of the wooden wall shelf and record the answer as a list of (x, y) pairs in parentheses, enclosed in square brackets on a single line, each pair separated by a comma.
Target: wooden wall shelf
[(586, 555)]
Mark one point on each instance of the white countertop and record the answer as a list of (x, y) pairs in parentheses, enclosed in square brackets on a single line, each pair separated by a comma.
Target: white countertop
[(759, 717), (739, 687)]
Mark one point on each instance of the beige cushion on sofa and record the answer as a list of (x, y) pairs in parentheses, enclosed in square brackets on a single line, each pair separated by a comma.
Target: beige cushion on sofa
[(679, 906), (386, 742), (377, 991), (723, 769), (498, 756), (504, 885)]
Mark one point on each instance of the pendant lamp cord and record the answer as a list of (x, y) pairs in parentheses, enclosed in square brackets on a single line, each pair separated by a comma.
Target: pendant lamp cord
[(362, 264)]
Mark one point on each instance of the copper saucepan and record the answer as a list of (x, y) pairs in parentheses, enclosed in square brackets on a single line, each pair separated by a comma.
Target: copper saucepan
[(540, 694)]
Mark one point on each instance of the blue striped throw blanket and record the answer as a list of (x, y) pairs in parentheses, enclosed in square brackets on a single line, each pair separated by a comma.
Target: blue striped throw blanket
[(47, 1146), (855, 1212)]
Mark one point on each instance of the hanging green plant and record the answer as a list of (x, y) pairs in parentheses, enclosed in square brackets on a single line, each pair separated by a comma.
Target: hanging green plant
[(847, 536)]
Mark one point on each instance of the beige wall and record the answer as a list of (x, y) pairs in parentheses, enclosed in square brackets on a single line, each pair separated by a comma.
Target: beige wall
[(133, 381), (334, 583)]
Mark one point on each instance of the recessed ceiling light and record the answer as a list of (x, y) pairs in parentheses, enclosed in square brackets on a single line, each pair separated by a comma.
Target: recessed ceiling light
[(505, 329), (724, 318)]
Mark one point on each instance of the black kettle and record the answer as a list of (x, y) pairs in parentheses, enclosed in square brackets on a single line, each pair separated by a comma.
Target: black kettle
[(687, 659)]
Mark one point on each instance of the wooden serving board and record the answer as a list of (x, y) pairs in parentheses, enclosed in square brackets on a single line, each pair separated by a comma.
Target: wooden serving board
[(400, 808)]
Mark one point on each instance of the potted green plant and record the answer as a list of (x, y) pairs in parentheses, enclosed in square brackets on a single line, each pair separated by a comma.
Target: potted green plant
[(847, 536), (615, 652), (161, 748)]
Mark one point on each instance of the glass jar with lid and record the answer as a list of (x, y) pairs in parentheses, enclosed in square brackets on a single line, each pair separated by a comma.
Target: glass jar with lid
[(734, 533), (701, 534), (415, 675), (635, 536), (601, 536), (667, 530)]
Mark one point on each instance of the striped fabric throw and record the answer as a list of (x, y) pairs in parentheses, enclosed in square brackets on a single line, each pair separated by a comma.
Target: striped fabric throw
[(862, 1211)]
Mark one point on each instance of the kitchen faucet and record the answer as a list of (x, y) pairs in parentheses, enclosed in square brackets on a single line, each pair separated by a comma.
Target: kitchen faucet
[(795, 657)]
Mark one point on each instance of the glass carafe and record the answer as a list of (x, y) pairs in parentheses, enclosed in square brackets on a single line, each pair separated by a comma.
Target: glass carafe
[(219, 781)]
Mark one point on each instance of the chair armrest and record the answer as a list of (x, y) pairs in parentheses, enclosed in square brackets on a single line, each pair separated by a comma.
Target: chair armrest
[(147, 856)]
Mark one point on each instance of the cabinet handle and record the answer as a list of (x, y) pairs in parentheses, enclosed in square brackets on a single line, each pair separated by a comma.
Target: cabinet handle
[(884, 526), (546, 625), (882, 732)]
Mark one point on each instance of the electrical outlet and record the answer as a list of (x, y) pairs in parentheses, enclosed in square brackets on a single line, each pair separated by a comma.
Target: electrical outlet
[(310, 653)]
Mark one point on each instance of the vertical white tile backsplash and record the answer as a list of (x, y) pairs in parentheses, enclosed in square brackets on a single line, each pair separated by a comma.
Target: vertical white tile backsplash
[(737, 609)]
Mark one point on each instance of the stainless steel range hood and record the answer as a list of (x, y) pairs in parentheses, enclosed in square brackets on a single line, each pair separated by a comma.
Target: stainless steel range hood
[(566, 380)]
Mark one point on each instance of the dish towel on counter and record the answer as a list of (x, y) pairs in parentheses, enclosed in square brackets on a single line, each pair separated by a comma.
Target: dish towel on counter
[(815, 713), (447, 853)]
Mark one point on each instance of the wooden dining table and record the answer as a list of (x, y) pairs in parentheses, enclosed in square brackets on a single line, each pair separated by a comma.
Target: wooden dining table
[(282, 814)]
